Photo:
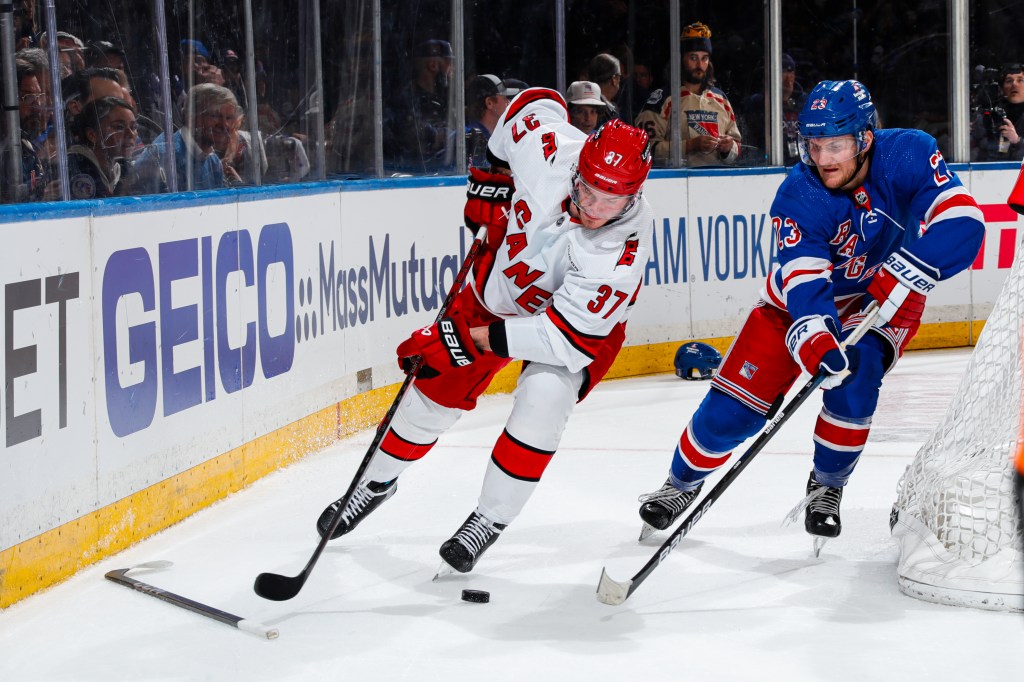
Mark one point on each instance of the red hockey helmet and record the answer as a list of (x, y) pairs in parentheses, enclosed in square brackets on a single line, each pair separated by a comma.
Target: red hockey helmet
[(616, 159)]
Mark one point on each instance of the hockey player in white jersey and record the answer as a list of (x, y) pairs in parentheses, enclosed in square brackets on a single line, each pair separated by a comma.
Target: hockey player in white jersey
[(563, 263)]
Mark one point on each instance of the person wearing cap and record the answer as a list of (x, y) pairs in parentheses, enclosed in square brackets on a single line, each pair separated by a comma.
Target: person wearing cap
[(710, 133), (198, 63), (487, 97), (793, 98), (585, 105), (418, 128), (486, 100)]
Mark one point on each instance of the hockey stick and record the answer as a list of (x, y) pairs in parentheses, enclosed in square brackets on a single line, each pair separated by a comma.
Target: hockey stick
[(614, 592), (281, 587), (119, 576)]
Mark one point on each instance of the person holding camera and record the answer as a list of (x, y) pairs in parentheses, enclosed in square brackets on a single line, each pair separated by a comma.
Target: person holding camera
[(997, 130)]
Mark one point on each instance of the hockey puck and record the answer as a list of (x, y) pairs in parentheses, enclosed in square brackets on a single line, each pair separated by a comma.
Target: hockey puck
[(476, 596)]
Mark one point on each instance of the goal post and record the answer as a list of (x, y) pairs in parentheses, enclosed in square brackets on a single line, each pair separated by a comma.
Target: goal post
[(955, 517)]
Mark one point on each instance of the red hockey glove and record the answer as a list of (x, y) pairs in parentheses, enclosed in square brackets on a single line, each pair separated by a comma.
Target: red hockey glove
[(813, 342), (443, 345), (900, 288), (488, 199)]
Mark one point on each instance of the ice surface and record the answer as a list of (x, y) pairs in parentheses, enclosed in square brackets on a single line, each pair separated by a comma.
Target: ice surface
[(742, 598)]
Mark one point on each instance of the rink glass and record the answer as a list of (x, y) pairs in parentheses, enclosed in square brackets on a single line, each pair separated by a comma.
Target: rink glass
[(320, 82)]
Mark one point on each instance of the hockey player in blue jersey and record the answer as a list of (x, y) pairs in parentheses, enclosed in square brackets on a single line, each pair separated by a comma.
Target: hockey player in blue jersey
[(867, 214)]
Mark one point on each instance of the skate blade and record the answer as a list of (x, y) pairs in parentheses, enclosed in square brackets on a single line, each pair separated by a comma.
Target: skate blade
[(646, 532), (819, 542), (443, 571)]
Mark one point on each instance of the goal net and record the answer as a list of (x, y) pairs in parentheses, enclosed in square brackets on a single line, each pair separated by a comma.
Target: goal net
[(955, 516)]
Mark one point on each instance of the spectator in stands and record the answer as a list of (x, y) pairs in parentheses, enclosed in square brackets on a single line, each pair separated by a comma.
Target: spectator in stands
[(40, 63), (213, 109), (196, 68), (419, 131), (32, 105), (606, 70), (997, 130), (98, 164), (103, 53), (641, 83), (710, 133), (82, 87), (238, 154), (233, 79), (487, 97), (287, 160), (71, 50), (24, 24), (793, 98), (197, 61), (586, 105)]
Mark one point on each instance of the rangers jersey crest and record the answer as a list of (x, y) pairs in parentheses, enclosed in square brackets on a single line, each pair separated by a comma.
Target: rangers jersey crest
[(823, 270)]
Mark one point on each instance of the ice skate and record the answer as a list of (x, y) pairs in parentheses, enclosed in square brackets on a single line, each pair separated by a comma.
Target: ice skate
[(366, 498), (463, 550), (822, 517), (660, 509)]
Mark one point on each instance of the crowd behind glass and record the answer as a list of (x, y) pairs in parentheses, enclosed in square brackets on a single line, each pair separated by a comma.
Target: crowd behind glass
[(150, 97)]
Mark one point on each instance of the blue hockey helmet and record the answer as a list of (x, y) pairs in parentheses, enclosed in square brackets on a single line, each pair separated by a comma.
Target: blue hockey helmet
[(835, 108), (696, 360)]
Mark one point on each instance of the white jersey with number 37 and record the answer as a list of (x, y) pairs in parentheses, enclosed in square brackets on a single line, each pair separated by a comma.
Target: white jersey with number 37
[(561, 287)]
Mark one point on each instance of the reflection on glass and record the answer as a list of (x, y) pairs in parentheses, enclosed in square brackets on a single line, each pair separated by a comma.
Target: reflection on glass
[(417, 67), (899, 51), (299, 115), (99, 161), (754, 112), (349, 89), (509, 47)]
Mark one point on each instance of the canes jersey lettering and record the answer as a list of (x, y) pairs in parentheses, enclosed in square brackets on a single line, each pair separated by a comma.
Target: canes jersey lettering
[(831, 243), (561, 288)]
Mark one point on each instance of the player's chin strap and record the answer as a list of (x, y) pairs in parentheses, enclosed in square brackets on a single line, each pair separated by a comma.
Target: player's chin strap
[(863, 156)]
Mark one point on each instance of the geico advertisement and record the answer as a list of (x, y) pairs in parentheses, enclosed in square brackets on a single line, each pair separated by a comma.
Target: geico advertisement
[(300, 295)]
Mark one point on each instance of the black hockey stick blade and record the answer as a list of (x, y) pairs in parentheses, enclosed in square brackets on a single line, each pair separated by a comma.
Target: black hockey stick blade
[(120, 577), (276, 587), (613, 592)]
